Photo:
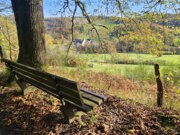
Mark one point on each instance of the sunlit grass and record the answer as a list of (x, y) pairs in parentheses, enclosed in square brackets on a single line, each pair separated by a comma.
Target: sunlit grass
[(134, 58)]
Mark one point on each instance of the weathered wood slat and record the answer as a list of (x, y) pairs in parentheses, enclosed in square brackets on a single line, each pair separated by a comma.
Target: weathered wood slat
[(92, 98), (49, 83), (48, 88), (63, 81), (94, 94), (34, 83), (83, 108), (36, 77), (89, 103)]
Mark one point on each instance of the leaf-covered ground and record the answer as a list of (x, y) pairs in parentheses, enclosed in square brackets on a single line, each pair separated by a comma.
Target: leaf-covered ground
[(39, 113)]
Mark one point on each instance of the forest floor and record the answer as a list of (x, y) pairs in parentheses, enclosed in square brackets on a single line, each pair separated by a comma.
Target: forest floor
[(39, 113)]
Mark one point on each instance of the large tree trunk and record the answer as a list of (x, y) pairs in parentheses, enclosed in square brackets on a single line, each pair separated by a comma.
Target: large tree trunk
[(30, 26)]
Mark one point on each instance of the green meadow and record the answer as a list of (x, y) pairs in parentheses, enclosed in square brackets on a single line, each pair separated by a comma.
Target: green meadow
[(127, 65), (132, 58)]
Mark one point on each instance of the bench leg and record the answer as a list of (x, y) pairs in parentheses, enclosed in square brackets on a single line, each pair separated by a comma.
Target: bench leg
[(68, 112), (10, 78), (22, 85)]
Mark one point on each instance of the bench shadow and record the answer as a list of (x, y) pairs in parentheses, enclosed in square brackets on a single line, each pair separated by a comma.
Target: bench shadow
[(17, 117)]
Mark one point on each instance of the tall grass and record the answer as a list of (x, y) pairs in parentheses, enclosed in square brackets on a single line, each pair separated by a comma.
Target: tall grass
[(57, 56)]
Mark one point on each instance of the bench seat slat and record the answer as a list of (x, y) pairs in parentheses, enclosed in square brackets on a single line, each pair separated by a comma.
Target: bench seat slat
[(47, 88), (89, 103), (94, 94), (67, 90), (92, 98), (83, 108)]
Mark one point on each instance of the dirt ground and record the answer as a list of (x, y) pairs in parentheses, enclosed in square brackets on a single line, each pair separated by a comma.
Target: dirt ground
[(39, 113)]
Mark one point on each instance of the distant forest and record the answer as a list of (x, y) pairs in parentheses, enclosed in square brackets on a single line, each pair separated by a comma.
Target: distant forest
[(145, 34)]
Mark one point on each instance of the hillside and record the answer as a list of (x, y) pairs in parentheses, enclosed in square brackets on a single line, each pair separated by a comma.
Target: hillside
[(136, 35)]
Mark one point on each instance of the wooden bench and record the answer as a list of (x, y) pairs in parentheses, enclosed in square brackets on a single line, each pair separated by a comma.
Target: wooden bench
[(73, 98)]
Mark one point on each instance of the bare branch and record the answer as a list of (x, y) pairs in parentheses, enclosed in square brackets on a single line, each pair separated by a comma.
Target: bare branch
[(72, 28), (152, 6), (83, 10), (124, 14), (64, 7)]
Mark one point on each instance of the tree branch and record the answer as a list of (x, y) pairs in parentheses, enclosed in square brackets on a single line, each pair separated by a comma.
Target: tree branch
[(83, 10), (72, 29)]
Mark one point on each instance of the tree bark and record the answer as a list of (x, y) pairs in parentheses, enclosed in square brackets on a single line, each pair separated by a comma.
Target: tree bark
[(30, 27)]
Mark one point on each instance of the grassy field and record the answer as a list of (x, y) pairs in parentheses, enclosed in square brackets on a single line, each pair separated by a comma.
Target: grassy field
[(125, 70), (133, 66), (132, 58)]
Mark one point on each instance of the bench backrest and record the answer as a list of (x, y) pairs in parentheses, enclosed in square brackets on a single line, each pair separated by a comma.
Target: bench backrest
[(49, 83)]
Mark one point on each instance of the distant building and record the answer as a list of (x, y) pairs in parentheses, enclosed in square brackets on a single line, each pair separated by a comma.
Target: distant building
[(84, 42), (85, 45), (87, 42)]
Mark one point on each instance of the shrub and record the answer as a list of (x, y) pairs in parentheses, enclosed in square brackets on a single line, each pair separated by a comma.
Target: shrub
[(170, 75), (75, 61)]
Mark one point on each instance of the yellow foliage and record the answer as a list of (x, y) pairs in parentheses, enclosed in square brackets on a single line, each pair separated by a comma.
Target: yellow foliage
[(8, 36), (48, 39), (8, 27)]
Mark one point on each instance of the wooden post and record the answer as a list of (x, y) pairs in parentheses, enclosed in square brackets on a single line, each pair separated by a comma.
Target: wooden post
[(159, 86)]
